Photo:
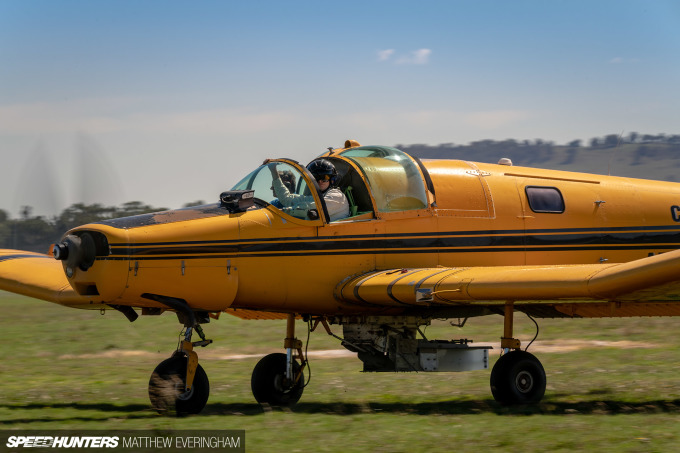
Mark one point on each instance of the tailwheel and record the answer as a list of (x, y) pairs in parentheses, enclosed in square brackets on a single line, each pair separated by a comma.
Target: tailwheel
[(270, 384), (167, 387), (518, 378)]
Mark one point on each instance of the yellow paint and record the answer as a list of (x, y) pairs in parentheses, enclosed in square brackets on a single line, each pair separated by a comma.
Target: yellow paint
[(475, 241)]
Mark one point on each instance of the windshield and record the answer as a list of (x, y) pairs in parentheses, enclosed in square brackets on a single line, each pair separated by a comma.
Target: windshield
[(394, 177), (283, 186)]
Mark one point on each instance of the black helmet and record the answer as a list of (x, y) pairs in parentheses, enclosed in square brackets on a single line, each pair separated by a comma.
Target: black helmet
[(321, 167)]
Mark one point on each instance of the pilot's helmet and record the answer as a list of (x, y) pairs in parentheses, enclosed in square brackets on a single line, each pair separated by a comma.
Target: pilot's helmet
[(322, 169)]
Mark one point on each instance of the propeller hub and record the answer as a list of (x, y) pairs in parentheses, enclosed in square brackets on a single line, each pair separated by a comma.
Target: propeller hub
[(60, 251), (78, 252)]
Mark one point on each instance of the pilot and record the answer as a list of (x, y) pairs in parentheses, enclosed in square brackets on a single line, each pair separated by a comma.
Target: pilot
[(325, 174)]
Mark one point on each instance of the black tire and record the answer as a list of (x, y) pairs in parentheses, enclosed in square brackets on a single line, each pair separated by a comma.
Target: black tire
[(167, 383), (269, 381), (518, 378)]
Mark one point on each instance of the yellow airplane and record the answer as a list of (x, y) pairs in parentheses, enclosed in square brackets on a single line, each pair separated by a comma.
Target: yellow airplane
[(423, 240)]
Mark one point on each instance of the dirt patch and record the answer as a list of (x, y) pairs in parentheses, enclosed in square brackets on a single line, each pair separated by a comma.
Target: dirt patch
[(548, 347), (570, 345), (214, 354), (557, 346), (111, 354)]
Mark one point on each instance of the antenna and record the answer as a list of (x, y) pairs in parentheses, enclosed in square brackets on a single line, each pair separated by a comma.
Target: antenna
[(618, 143)]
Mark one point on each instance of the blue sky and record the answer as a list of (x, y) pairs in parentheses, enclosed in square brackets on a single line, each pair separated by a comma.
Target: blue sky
[(175, 100)]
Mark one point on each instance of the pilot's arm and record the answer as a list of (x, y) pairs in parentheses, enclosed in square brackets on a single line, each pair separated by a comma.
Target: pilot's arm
[(285, 197), (283, 194), (280, 189)]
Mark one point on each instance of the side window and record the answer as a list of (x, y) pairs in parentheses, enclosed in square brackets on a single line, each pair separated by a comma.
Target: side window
[(545, 199)]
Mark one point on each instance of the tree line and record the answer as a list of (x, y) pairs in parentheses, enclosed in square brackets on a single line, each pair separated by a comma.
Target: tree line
[(535, 152), (36, 233)]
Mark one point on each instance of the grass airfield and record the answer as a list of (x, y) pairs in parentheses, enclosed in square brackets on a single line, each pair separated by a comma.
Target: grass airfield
[(613, 385)]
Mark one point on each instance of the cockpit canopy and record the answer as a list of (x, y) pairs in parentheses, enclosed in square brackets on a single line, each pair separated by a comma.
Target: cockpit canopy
[(394, 178), (380, 178)]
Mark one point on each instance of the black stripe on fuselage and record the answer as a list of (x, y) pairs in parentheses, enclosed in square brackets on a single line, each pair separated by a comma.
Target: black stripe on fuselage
[(431, 244), (630, 229), (658, 249), (624, 238)]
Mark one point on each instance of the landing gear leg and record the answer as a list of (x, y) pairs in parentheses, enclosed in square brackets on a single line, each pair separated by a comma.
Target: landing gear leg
[(278, 379), (517, 377), (179, 384)]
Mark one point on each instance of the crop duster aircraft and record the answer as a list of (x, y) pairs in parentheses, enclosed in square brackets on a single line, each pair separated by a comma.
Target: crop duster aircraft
[(424, 240)]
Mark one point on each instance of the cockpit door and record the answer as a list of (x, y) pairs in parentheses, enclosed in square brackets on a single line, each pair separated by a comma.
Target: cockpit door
[(289, 187)]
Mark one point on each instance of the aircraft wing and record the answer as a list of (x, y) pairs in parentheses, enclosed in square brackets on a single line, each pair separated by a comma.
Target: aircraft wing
[(36, 275), (645, 287)]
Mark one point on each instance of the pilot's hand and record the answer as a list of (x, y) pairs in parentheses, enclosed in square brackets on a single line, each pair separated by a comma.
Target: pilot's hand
[(272, 168)]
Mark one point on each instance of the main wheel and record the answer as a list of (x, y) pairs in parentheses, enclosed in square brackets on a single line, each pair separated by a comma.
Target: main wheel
[(167, 384), (269, 382), (518, 378)]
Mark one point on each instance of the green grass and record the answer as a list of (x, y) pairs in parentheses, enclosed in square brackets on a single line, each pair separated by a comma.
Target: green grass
[(64, 368)]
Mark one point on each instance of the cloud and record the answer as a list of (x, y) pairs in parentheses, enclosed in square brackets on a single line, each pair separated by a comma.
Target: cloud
[(384, 55), (241, 127), (51, 118), (417, 57), (104, 116), (424, 124), (221, 122)]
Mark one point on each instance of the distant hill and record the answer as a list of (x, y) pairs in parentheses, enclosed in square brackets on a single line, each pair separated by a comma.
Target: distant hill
[(657, 159)]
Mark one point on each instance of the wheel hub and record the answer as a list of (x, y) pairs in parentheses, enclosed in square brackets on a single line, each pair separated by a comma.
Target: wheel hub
[(524, 381), (281, 383), (183, 395)]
